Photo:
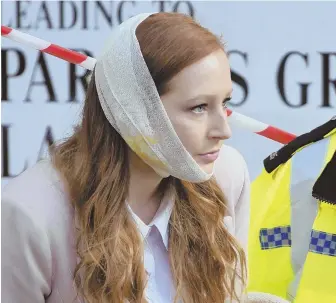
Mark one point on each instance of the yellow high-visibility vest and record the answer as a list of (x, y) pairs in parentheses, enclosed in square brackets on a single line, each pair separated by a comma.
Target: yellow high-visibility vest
[(271, 246)]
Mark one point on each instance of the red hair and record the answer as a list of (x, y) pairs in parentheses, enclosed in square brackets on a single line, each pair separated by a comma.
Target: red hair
[(205, 259)]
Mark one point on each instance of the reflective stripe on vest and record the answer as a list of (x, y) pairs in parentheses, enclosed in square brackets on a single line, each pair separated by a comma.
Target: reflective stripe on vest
[(317, 283)]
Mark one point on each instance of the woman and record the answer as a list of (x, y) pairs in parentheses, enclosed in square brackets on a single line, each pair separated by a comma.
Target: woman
[(128, 209)]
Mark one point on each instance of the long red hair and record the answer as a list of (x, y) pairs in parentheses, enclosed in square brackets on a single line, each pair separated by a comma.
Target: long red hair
[(206, 261)]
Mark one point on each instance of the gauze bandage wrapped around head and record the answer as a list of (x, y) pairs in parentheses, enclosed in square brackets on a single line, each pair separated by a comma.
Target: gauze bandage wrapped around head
[(132, 105)]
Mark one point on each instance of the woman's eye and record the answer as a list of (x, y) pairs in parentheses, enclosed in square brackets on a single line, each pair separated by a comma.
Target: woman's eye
[(226, 102), (199, 109)]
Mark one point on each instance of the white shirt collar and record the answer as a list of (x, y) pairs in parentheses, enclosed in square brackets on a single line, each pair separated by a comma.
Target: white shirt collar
[(160, 220)]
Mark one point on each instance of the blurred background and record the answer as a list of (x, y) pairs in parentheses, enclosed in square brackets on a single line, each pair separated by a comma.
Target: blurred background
[(282, 54)]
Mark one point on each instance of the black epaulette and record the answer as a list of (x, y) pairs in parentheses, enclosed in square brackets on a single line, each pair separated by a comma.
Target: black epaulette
[(324, 188), (281, 156)]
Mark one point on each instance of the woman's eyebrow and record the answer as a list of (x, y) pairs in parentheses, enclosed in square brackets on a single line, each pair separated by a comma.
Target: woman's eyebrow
[(208, 97)]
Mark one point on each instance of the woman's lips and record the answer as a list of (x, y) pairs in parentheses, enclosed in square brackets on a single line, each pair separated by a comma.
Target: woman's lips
[(210, 157)]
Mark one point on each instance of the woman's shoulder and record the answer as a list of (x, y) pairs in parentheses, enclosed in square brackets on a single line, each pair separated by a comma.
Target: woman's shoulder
[(38, 237), (38, 193), (230, 169), (232, 176)]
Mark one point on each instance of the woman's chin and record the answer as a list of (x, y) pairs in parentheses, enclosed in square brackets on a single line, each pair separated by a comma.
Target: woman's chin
[(208, 167)]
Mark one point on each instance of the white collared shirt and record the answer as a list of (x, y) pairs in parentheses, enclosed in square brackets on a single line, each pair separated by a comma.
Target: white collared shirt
[(160, 287), (232, 176)]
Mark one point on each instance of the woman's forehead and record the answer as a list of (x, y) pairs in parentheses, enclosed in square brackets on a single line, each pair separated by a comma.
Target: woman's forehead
[(209, 76)]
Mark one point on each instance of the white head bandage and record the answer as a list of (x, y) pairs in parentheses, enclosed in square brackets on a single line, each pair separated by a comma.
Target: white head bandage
[(132, 105)]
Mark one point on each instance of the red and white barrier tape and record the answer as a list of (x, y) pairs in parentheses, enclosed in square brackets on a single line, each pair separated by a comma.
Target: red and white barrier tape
[(87, 62), (49, 48)]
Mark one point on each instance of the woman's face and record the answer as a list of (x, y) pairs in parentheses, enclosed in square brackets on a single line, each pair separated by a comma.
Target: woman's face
[(196, 105)]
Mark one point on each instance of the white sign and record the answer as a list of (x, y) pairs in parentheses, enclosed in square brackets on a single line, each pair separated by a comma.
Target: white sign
[(282, 54)]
